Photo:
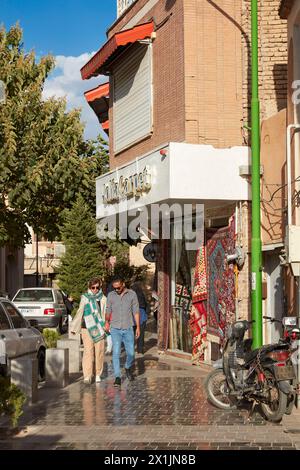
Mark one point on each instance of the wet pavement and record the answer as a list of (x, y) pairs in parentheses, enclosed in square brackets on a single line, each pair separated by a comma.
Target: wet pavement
[(164, 408)]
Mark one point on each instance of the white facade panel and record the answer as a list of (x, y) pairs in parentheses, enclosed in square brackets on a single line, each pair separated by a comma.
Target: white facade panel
[(206, 173), (187, 173)]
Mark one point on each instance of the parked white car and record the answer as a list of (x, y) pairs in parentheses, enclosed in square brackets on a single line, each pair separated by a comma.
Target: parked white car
[(44, 304), (19, 338)]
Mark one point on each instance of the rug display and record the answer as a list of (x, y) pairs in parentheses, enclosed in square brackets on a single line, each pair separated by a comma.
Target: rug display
[(221, 286), (179, 334), (183, 298), (163, 287), (198, 316)]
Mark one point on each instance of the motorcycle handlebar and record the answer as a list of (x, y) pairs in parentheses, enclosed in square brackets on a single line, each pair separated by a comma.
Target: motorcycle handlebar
[(272, 320)]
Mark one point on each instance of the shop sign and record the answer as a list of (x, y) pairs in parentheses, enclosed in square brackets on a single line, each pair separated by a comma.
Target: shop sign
[(126, 187)]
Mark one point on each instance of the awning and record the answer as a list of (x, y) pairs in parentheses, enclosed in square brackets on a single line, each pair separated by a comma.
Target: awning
[(99, 63), (98, 99), (105, 126), (98, 92)]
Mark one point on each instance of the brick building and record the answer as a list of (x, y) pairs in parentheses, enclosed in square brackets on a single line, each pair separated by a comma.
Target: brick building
[(176, 104)]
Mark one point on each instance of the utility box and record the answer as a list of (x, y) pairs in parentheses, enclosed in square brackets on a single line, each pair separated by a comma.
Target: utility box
[(24, 374), (292, 242), (57, 367)]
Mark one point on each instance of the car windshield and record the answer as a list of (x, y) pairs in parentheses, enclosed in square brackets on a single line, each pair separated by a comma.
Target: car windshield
[(34, 295)]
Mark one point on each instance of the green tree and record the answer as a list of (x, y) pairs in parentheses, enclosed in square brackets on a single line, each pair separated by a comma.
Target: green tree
[(127, 272), (86, 254), (44, 161)]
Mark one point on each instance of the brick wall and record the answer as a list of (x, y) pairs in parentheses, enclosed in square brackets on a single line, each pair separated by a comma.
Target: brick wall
[(168, 81), (213, 72), (201, 64), (272, 58)]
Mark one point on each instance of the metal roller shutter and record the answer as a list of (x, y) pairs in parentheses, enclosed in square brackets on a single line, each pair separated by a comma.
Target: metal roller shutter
[(132, 97)]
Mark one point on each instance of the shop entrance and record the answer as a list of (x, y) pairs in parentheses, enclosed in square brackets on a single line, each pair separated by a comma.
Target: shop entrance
[(183, 264), (205, 280)]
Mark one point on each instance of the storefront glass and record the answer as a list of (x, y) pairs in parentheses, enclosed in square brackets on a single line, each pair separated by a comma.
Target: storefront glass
[(183, 267)]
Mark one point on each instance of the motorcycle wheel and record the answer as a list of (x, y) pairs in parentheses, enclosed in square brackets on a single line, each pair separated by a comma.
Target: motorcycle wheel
[(277, 403), (216, 390)]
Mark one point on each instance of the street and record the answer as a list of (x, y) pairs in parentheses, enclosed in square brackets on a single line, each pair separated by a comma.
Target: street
[(164, 408)]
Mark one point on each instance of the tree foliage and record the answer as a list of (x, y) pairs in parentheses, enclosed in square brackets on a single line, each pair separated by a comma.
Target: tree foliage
[(44, 161)]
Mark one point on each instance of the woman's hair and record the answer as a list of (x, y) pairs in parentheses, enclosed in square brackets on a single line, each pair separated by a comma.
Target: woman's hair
[(94, 280)]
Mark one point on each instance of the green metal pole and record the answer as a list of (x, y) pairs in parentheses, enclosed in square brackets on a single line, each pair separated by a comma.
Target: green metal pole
[(256, 256)]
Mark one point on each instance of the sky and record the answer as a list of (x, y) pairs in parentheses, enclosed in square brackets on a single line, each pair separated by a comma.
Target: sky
[(72, 31)]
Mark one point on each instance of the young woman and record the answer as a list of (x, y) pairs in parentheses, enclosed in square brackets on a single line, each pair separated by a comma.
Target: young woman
[(89, 321)]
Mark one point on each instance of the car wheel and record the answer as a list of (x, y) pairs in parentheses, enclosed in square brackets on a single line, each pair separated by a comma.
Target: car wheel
[(60, 328), (66, 324), (41, 364)]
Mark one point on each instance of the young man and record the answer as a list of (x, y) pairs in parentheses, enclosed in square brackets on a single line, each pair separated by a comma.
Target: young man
[(122, 306)]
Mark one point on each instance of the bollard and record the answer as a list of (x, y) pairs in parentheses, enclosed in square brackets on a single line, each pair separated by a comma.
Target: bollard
[(57, 367), (24, 374), (73, 346)]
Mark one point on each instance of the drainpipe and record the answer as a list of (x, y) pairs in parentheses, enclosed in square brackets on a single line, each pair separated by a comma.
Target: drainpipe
[(296, 127), (256, 255), (289, 169)]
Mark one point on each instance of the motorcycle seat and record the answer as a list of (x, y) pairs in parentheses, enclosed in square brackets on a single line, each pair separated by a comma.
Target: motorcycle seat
[(251, 355)]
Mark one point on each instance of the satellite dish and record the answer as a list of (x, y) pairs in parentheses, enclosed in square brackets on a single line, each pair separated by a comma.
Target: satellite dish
[(150, 252), (2, 92)]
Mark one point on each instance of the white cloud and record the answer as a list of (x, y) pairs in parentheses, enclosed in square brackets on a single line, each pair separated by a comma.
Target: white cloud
[(66, 81)]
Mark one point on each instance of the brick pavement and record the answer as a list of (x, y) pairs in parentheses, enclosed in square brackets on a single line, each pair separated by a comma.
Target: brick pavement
[(164, 408)]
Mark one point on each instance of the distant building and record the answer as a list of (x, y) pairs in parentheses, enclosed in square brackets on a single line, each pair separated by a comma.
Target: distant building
[(11, 270), (44, 259)]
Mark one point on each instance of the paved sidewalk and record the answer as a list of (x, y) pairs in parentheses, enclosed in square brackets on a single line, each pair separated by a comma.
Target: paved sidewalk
[(164, 408)]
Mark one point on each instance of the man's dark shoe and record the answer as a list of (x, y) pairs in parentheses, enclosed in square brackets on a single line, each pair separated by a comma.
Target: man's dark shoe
[(129, 375), (117, 382)]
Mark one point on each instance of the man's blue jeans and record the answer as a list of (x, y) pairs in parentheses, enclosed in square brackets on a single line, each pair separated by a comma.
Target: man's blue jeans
[(127, 337)]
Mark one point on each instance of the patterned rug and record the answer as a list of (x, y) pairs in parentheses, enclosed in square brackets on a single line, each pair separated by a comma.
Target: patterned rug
[(221, 289), (198, 316), (163, 287), (183, 298)]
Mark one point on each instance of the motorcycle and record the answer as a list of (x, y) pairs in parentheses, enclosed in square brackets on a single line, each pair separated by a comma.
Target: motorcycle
[(264, 376)]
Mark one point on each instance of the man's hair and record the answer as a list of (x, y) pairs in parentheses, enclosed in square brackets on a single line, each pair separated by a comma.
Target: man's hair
[(117, 279), (94, 280)]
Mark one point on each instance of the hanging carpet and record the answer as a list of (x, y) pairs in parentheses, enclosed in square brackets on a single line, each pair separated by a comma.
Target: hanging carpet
[(198, 316), (221, 285)]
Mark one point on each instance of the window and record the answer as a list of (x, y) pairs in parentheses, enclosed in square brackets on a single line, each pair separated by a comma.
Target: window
[(4, 323), (17, 320), (34, 295), (132, 95)]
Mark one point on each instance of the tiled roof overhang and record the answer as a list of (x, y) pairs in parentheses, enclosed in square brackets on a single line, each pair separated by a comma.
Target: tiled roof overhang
[(98, 99), (99, 63), (97, 93)]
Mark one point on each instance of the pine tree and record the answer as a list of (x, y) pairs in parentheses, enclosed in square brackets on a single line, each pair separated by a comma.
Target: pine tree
[(85, 254)]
